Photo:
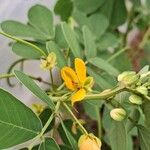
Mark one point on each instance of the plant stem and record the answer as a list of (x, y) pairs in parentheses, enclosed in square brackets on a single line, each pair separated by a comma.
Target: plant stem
[(61, 87), (45, 126), (11, 75), (117, 54), (52, 81), (145, 38), (99, 123), (74, 117), (24, 42), (104, 95)]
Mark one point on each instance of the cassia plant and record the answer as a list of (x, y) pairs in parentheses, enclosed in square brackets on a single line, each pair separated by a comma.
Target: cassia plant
[(103, 101)]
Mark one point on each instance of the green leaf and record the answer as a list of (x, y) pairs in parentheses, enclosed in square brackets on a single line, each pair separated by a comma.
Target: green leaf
[(59, 37), (107, 40), (19, 29), (115, 11), (64, 9), (18, 123), (71, 40), (146, 111), (89, 42), (97, 23), (102, 83), (53, 47), (144, 135), (135, 115), (25, 51), (118, 136), (104, 65), (93, 105), (44, 116), (49, 143), (66, 135), (88, 6), (41, 18), (34, 88)]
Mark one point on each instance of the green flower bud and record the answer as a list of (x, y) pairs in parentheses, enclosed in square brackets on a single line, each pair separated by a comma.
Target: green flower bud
[(142, 89), (125, 73), (118, 114), (88, 83), (135, 99), (128, 78)]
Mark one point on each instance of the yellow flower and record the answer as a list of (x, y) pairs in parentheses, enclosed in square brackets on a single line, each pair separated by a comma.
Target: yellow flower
[(77, 81), (89, 142), (49, 62)]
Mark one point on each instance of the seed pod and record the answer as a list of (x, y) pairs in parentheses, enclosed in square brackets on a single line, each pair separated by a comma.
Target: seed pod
[(135, 99), (118, 114)]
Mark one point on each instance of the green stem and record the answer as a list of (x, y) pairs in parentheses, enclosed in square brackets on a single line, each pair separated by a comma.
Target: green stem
[(61, 87), (45, 126), (11, 75), (74, 117), (52, 80), (99, 123), (145, 38), (24, 42), (117, 54), (104, 95)]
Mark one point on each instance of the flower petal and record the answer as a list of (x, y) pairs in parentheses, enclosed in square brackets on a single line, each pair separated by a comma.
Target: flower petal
[(80, 69), (78, 96), (70, 78)]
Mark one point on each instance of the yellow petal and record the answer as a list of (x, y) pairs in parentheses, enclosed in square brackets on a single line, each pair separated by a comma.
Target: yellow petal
[(80, 69), (78, 96), (70, 78)]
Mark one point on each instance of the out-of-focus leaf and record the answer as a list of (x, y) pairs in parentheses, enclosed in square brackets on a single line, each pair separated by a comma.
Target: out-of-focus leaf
[(97, 23), (89, 42), (146, 111), (115, 11), (65, 147), (102, 83), (41, 18), (18, 123), (63, 8), (49, 143), (88, 6), (34, 88), (59, 37), (135, 115), (144, 135), (107, 40), (71, 40), (52, 47), (25, 51), (118, 136), (16, 28), (93, 105), (104, 65)]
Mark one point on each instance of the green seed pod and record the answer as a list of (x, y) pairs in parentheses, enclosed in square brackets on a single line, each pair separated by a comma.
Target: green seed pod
[(118, 114), (142, 89), (135, 99)]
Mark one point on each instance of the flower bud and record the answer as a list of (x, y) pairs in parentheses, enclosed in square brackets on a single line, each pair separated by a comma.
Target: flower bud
[(38, 108), (88, 83), (135, 99), (49, 62), (142, 89), (128, 77), (118, 114), (89, 142)]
